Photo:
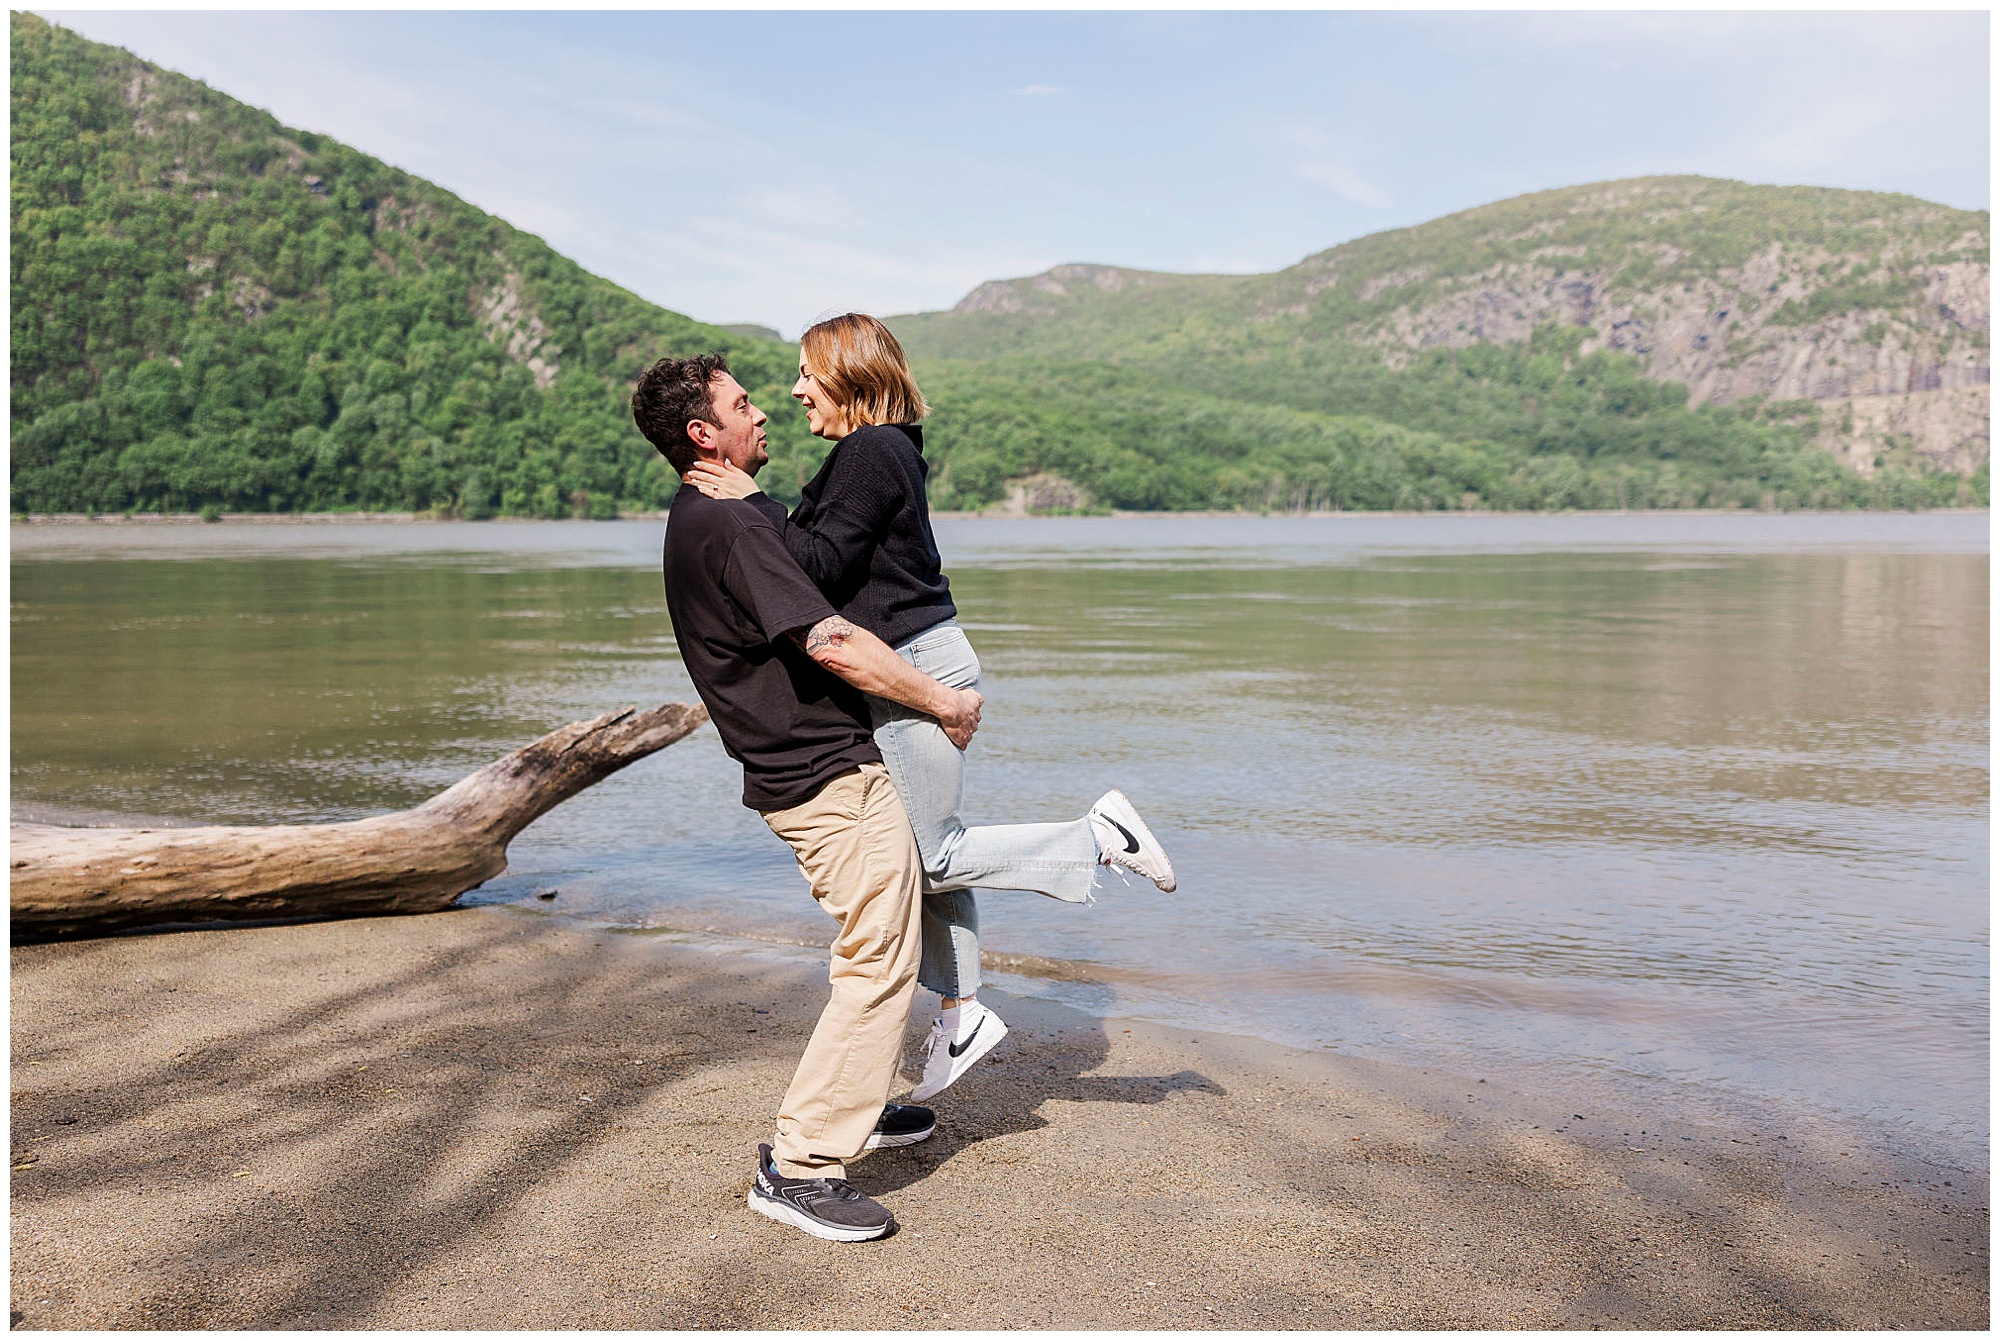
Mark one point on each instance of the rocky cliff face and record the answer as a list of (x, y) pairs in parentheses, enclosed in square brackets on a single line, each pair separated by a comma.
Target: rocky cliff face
[(1950, 427), (1884, 317), (1728, 337)]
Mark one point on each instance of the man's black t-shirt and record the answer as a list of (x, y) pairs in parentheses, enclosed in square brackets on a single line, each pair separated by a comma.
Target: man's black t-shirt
[(734, 594)]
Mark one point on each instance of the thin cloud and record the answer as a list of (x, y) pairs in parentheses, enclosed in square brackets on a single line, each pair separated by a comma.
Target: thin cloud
[(1820, 138), (724, 267), (1327, 158), (1228, 265), (1346, 183), (1040, 91), (644, 113)]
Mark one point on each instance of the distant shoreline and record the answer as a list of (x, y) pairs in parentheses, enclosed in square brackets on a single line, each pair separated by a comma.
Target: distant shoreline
[(417, 518)]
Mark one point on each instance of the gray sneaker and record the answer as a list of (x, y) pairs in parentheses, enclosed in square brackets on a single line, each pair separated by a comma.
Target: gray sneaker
[(826, 1208)]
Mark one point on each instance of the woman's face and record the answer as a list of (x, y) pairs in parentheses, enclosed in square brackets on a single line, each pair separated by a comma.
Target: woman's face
[(823, 416)]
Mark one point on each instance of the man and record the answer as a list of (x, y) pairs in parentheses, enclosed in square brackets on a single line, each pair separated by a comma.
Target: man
[(783, 677)]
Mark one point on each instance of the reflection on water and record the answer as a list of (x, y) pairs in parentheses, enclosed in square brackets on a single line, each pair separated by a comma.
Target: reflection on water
[(1695, 806), (287, 689)]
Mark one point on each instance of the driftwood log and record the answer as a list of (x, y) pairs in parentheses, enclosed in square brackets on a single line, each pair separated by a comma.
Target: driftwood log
[(65, 881)]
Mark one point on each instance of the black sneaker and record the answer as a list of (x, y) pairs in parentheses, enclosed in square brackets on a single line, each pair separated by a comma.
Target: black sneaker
[(901, 1124), (826, 1208)]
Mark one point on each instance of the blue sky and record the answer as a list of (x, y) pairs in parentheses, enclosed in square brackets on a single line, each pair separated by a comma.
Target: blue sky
[(772, 167)]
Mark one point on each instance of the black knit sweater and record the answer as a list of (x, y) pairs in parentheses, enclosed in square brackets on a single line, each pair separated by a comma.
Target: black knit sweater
[(862, 532)]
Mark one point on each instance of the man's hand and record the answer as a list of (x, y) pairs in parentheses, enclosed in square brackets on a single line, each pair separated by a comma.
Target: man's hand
[(719, 479), (962, 718), (870, 665)]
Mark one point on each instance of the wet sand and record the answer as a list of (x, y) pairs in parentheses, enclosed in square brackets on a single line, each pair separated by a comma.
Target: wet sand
[(490, 1119)]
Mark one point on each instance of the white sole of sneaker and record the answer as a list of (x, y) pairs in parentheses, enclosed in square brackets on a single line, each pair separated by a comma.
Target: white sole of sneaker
[(877, 1141), (797, 1219), (963, 1062)]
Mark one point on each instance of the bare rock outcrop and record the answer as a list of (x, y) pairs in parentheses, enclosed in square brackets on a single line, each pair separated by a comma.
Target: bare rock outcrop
[(1042, 494), (1948, 427), (514, 326)]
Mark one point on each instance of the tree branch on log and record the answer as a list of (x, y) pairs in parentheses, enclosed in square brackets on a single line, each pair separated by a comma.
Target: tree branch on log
[(68, 881)]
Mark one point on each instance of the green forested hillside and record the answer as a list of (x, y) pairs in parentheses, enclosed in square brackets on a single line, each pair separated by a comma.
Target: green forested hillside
[(1663, 342), (1507, 427), (212, 310)]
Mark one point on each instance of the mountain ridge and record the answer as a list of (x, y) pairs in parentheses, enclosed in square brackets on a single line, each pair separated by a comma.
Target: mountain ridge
[(1738, 291)]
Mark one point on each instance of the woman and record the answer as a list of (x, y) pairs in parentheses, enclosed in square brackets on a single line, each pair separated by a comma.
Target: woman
[(862, 532)]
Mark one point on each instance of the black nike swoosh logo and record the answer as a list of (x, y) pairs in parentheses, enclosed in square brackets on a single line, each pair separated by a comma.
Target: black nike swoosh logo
[(957, 1048), (1131, 843)]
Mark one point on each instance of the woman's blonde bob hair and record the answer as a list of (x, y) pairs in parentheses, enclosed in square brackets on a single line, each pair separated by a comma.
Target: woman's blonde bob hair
[(859, 363)]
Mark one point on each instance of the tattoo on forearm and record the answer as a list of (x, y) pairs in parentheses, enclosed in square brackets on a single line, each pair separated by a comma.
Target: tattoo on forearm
[(829, 633)]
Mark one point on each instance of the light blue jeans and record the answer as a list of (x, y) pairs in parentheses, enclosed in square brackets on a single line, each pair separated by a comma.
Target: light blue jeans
[(1059, 860)]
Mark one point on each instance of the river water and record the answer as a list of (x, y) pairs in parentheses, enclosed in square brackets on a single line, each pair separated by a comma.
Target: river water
[(1686, 810)]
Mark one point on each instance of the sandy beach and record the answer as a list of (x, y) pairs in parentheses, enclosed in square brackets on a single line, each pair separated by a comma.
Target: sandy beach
[(487, 1118)]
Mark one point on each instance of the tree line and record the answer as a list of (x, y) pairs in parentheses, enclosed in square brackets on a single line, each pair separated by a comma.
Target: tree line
[(212, 311)]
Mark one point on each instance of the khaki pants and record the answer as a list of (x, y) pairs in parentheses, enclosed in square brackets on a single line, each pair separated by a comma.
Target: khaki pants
[(854, 844)]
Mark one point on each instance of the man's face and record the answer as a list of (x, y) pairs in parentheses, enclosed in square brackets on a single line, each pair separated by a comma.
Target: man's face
[(736, 431)]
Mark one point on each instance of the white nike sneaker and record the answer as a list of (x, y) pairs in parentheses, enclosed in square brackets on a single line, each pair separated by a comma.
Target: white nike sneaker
[(948, 1058), (1124, 840)]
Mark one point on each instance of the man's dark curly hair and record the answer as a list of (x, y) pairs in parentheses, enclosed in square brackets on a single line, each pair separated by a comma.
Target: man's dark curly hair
[(671, 394)]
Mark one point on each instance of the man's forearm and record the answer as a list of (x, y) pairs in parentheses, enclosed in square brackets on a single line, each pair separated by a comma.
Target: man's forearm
[(872, 666)]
